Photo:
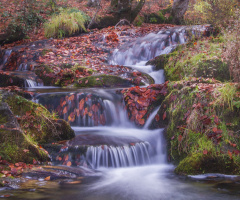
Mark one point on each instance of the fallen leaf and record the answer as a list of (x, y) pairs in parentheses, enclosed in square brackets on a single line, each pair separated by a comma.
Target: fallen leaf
[(47, 178), (69, 163)]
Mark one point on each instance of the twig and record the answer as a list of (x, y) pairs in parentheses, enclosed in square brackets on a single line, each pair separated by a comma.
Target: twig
[(122, 21)]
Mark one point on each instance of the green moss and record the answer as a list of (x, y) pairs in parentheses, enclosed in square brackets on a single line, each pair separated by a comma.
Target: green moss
[(13, 146), (102, 81), (41, 125), (199, 163)]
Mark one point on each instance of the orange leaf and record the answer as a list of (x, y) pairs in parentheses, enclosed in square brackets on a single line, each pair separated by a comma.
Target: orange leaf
[(47, 178), (81, 104), (69, 163), (205, 152), (65, 110)]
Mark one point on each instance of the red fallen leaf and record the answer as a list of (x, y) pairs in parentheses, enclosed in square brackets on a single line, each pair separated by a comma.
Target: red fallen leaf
[(215, 129), (172, 138), (234, 145), (2, 126), (216, 120), (97, 79), (180, 138), (164, 115), (34, 162), (59, 158), (207, 121), (236, 152), (230, 154), (205, 152), (219, 131), (86, 81), (132, 144), (6, 195), (157, 118)]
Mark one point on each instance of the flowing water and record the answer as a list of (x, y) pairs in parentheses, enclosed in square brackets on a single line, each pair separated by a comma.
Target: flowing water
[(131, 162)]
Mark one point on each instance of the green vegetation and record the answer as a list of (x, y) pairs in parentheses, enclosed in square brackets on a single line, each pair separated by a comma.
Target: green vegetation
[(203, 126), (68, 22)]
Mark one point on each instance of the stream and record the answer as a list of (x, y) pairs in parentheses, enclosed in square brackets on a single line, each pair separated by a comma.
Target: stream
[(130, 163)]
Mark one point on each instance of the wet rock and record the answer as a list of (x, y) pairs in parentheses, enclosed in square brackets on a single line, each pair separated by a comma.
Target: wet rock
[(95, 140), (103, 81)]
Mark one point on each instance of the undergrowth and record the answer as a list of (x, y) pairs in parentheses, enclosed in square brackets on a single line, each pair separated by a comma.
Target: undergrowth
[(68, 22)]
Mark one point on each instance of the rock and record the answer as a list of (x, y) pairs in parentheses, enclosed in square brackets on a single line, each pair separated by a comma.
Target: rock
[(13, 141), (95, 140), (24, 125), (103, 81)]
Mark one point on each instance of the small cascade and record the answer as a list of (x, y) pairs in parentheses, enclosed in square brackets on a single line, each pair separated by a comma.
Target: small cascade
[(151, 117), (118, 156), (137, 53), (5, 57), (23, 67), (87, 109)]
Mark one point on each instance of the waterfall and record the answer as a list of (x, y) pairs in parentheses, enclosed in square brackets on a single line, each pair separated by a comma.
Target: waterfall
[(137, 53), (6, 56), (150, 118), (118, 156)]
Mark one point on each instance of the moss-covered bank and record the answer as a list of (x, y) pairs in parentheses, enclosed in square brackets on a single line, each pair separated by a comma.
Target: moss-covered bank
[(203, 123)]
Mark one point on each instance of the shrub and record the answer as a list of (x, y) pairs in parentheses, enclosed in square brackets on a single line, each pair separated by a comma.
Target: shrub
[(215, 12), (66, 23)]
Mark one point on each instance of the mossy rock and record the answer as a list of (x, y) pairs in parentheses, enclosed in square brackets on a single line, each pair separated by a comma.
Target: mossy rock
[(199, 163), (159, 62), (213, 68), (15, 146), (103, 81), (37, 121)]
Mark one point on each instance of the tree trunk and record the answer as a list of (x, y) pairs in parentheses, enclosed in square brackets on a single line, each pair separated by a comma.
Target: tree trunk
[(93, 3), (123, 9), (178, 10)]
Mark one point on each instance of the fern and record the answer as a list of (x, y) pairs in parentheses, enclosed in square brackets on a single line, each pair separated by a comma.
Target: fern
[(66, 23)]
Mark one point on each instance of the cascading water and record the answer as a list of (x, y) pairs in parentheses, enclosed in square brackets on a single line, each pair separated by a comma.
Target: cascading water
[(102, 114), (137, 53)]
